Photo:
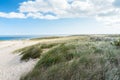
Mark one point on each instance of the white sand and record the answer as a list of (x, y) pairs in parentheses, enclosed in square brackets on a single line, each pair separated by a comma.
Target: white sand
[(10, 66)]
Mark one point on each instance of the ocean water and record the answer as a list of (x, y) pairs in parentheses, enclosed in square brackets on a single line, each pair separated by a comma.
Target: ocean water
[(22, 37), (17, 37)]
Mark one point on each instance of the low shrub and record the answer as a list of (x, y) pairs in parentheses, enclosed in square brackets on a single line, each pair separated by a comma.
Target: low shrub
[(116, 43)]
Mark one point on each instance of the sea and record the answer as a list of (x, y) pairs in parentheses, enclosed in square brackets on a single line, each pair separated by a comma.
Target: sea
[(19, 37), (23, 37)]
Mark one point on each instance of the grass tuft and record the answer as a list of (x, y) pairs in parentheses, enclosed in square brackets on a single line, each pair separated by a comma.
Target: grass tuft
[(32, 52)]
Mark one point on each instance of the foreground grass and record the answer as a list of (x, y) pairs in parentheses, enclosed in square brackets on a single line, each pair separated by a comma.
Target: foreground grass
[(75, 60)]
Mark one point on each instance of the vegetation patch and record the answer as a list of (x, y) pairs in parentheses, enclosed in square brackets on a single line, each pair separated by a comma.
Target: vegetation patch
[(116, 43), (31, 52), (77, 60)]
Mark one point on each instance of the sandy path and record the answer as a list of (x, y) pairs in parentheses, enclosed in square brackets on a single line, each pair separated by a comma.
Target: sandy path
[(10, 66)]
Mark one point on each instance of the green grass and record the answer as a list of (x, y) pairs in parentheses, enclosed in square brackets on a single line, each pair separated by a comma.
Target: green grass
[(31, 53), (76, 60), (116, 43), (34, 51)]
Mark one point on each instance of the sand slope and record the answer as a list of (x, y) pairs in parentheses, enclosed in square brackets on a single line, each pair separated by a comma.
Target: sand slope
[(11, 68)]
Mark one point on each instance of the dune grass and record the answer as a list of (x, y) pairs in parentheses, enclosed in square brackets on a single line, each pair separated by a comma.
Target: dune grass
[(34, 51), (31, 53), (77, 60)]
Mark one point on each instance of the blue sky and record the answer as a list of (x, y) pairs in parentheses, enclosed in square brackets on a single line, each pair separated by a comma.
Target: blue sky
[(10, 5), (36, 17)]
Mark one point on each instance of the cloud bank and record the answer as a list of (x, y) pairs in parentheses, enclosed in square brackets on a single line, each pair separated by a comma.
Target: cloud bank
[(106, 11)]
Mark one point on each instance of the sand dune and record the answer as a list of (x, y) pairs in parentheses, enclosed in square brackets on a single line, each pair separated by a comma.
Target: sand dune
[(11, 68)]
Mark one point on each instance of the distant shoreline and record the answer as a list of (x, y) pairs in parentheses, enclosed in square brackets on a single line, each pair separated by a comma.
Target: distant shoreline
[(39, 37), (28, 37)]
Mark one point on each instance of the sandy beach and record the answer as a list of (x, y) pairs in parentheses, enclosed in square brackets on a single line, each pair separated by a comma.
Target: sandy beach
[(11, 68)]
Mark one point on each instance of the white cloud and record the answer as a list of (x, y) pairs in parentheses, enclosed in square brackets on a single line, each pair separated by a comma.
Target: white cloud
[(12, 15), (102, 10), (111, 18), (40, 16), (63, 9), (34, 6)]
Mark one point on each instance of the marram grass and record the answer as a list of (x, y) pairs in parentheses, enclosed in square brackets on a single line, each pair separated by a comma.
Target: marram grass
[(76, 60)]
